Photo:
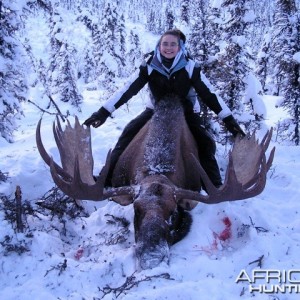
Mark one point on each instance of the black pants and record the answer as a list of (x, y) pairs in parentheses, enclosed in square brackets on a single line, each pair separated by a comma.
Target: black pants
[(205, 143), (206, 148)]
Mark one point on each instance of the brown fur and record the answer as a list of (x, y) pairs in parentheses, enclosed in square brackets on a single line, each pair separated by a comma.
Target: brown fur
[(159, 159), (131, 168)]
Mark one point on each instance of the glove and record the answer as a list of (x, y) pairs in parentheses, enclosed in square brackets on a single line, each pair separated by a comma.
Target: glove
[(97, 118), (233, 127)]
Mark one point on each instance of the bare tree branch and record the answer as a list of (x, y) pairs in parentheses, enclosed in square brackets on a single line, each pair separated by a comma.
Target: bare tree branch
[(130, 282), (19, 211)]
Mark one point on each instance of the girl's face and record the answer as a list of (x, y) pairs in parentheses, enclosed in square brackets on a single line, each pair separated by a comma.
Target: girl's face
[(169, 46)]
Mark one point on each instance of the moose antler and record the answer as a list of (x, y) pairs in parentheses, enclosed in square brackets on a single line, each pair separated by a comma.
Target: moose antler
[(245, 176), (75, 177)]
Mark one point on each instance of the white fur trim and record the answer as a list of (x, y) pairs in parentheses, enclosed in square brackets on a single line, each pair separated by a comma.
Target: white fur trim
[(224, 113), (150, 69), (190, 67)]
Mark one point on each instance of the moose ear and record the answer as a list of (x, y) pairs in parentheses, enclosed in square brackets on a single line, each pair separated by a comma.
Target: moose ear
[(123, 200), (187, 204)]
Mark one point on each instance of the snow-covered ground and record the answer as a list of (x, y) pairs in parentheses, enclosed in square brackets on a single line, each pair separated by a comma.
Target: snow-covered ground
[(92, 256)]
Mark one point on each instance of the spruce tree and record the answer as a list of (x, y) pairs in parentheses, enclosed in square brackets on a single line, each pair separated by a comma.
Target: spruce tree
[(198, 43), (263, 61), (169, 18), (286, 63), (198, 35), (89, 69), (36, 5), (62, 71), (13, 86), (259, 28), (97, 50), (184, 12), (134, 53), (213, 32), (237, 84), (64, 81), (120, 49), (157, 20), (109, 61), (150, 25), (232, 57)]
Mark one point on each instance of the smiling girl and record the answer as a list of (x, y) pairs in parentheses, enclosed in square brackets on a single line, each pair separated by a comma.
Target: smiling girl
[(170, 71)]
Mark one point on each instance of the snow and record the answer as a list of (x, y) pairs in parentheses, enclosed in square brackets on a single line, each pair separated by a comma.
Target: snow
[(216, 3), (93, 256), (239, 39), (252, 92), (296, 57), (249, 16)]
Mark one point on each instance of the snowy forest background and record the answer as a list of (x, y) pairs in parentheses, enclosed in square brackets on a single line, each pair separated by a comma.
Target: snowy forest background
[(247, 48), (67, 57)]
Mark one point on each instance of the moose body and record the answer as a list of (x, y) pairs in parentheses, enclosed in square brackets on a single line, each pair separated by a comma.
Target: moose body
[(159, 160), (159, 172)]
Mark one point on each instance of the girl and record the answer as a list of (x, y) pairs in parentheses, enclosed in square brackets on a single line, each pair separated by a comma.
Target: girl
[(169, 70)]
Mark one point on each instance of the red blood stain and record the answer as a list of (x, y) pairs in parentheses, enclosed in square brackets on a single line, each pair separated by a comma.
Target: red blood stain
[(79, 254), (226, 233), (223, 236)]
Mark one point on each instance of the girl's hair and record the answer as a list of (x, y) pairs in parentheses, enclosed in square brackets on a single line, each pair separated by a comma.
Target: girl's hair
[(175, 32)]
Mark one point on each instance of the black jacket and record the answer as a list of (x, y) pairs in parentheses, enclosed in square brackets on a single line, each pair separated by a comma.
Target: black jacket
[(179, 80)]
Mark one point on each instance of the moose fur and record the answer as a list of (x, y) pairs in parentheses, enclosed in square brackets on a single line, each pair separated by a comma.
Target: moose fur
[(158, 160)]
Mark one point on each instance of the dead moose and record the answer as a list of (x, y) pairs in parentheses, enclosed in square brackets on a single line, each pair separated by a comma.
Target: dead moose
[(159, 173)]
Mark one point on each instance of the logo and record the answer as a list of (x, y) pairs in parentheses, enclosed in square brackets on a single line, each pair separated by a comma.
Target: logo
[(271, 281)]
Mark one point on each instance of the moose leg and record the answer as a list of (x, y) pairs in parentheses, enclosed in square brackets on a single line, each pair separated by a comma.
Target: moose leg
[(206, 148), (129, 132)]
